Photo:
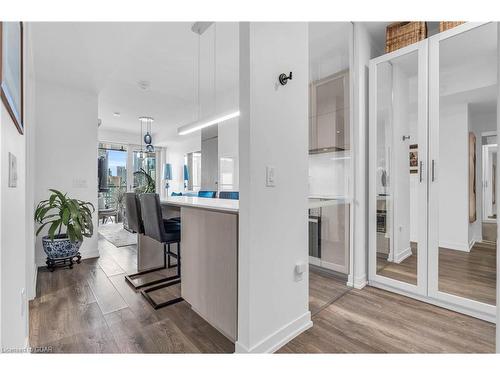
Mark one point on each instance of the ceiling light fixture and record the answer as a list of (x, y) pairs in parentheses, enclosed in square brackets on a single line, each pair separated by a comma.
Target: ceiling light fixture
[(199, 28), (146, 123), (206, 122), (116, 114)]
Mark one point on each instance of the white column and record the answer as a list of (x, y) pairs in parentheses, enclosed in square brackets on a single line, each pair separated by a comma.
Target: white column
[(362, 51), (273, 132), (497, 192)]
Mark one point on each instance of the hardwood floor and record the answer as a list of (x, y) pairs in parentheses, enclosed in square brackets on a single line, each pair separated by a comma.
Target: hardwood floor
[(465, 274), (375, 321), (91, 309)]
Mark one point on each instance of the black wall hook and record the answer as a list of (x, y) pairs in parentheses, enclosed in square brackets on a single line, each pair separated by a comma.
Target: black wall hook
[(284, 79)]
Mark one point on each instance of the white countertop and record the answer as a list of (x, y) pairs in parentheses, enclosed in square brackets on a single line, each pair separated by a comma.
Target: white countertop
[(314, 202), (217, 204)]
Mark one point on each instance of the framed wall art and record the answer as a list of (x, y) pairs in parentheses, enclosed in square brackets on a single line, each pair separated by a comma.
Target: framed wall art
[(11, 71)]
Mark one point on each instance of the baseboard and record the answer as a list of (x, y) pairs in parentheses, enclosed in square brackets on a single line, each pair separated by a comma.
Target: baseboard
[(281, 337), (32, 293), (399, 257), (471, 245), (358, 283), (454, 246)]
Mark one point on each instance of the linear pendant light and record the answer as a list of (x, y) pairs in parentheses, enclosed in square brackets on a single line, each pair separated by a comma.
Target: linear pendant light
[(199, 28), (209, 121)]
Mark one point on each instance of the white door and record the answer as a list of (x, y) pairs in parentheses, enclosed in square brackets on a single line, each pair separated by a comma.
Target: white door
[(398, 170), (463, 67)]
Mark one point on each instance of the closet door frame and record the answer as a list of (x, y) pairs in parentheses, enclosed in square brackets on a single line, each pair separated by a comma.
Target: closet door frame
[(373, 278), (468, 306)]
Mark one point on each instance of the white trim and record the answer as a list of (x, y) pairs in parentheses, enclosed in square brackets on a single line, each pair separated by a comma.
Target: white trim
[(456, 246), (32, 290), (488, 316), (359, 283), (402, 255), (281, 337)]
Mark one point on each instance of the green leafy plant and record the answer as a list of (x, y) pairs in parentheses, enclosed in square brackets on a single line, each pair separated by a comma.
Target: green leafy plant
[(61, 211), (145, 183)]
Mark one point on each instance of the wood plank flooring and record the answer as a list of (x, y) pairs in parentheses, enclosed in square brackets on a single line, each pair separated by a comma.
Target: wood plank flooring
[(91, 309), (465, 274), (375, 321)]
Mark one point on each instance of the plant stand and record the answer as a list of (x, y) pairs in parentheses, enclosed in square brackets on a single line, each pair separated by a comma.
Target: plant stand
[(52, 264)]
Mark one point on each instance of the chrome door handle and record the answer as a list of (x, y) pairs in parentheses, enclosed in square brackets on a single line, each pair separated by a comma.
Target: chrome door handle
[(421, 167)]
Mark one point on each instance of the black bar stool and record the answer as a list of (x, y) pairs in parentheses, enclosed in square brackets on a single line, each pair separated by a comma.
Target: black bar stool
[(133, 212), (167, 232)]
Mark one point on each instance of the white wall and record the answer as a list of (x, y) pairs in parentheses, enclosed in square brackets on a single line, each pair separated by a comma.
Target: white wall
[(175, 156), (66, 150), (329, 174), (453, 177), (16, 225), (12, 237), (272, 298), (113, 136)]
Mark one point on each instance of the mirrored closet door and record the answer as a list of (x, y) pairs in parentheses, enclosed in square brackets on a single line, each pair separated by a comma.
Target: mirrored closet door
[(398, 189), (433, 170), (463, 64)]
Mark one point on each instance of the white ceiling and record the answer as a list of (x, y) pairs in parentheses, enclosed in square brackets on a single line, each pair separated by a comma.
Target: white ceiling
[(111, 58)]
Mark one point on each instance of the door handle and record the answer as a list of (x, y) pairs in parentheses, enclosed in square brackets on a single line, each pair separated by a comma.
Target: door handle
[(433, 170), (421, 167)]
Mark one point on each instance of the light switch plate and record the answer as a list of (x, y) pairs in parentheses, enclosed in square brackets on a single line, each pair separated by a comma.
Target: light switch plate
[(270, 176), (12, 170)]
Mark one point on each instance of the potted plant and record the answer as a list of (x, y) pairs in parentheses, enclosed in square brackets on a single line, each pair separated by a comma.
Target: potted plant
[(69, 220)]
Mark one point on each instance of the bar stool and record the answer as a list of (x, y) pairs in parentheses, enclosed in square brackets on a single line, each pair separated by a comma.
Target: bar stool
[(207, 194), (167, 232), (133, 212)]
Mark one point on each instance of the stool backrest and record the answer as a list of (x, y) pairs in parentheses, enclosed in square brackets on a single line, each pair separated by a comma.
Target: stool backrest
[(229, 195), (207, 194), (133, 212), (152, 217)]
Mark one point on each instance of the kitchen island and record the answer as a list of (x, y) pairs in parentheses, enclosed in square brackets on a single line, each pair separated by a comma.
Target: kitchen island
[(209, 257)]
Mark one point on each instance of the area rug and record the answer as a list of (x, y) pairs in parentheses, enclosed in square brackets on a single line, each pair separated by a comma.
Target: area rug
[(114, 233)]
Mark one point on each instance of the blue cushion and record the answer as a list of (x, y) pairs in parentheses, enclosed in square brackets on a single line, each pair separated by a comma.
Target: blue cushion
[(207, 194), (174, 194), (229, 195)]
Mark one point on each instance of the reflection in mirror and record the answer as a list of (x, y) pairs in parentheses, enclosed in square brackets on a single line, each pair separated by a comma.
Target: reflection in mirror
[(397, 168), (467, 164)]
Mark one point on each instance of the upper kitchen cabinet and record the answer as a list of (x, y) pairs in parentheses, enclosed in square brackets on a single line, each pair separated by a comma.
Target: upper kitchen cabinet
[(329, 114)]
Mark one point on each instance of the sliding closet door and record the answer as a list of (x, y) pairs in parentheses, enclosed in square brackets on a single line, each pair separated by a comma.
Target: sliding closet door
[(463, 122), (398, 172)]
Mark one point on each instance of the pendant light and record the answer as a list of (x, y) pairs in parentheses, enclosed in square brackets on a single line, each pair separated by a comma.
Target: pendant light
[(146, 123), (199, 28)]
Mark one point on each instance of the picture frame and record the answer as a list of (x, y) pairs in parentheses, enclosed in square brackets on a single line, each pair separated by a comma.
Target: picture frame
[(413, 155), (12, 71)]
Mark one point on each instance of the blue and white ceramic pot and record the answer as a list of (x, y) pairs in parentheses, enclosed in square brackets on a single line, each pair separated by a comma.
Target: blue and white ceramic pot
[(61, 247)]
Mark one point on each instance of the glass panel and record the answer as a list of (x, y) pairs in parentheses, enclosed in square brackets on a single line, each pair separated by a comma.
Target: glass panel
[(227, 171), (329, 161), (112, 168), (144, 162), (193, 164), (397, 168), (467, 159)]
